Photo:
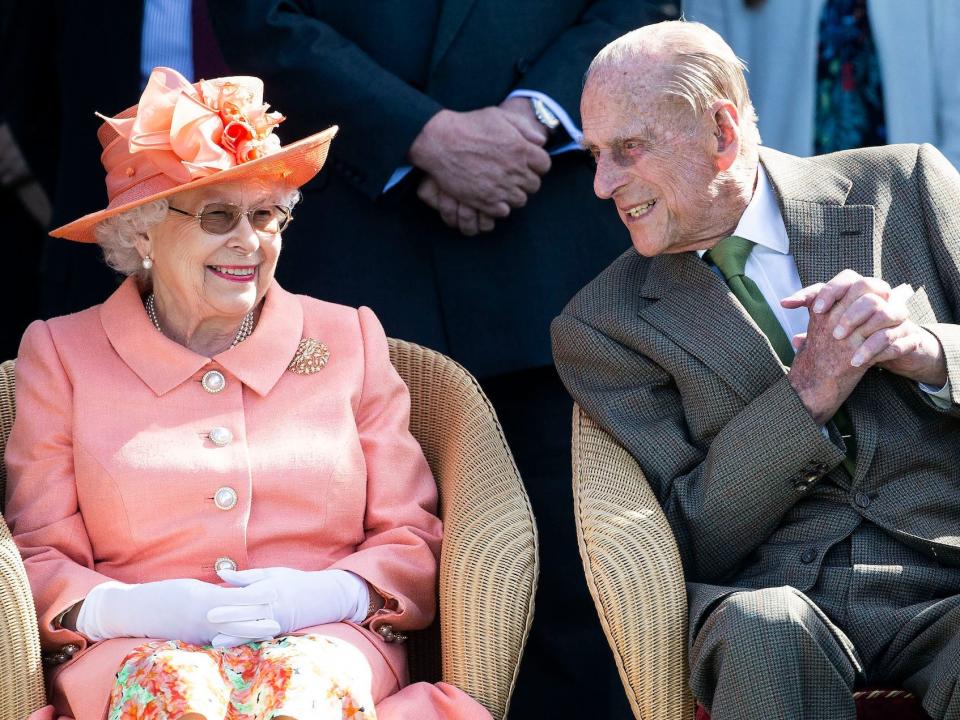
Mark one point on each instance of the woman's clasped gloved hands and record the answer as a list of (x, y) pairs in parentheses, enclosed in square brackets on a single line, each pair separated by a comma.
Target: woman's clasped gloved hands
[(297, 599), (259, 604), (175, 610)]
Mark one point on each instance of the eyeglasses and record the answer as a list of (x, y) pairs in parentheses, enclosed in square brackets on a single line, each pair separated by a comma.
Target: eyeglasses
[(221, 218)]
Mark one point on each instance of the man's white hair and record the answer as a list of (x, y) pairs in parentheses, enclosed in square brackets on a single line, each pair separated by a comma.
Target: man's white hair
[(702, 68), (117, 235)]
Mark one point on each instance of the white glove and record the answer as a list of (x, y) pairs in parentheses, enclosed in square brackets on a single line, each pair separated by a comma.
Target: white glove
[(301, 599), (174, 610)]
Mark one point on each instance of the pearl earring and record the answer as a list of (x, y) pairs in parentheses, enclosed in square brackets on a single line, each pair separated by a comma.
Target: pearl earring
[(147, 262)]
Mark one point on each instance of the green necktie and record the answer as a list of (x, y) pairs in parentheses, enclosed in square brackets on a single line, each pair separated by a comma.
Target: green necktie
[(730, 257)]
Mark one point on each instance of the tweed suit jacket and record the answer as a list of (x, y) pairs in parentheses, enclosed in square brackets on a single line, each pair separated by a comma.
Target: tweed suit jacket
[(663, 357)]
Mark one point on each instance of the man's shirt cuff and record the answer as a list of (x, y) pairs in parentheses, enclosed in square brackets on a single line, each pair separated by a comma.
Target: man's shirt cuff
[(939, 397)]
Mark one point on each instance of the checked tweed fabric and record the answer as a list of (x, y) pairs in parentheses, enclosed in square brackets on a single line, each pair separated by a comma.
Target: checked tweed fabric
[(661, 356)]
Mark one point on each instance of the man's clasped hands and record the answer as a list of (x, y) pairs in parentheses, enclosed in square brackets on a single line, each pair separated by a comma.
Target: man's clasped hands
[(481, 164), (857, 323)]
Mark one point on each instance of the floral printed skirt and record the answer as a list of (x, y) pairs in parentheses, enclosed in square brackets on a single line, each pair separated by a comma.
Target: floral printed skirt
[(310, 676)]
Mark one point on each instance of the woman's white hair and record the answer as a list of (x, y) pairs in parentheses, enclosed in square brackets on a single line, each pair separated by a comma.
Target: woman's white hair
[(703, 67), (117, 235)]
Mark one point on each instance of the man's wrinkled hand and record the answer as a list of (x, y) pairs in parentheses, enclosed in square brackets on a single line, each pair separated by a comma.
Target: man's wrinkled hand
[(821, 371), (457, 215), (872, 318), (482, 159), (520, 113)]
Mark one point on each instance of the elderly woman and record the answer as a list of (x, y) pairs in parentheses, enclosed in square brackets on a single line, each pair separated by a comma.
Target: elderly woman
[(212, 483)]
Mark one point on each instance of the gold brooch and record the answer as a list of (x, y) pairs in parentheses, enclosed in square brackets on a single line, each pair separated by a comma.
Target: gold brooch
[(312, 356)]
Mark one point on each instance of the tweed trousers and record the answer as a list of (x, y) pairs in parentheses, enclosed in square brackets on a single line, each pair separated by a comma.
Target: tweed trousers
[(880, 613)]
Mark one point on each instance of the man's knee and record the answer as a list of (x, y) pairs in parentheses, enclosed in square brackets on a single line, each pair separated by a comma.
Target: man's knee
[(755, 620)]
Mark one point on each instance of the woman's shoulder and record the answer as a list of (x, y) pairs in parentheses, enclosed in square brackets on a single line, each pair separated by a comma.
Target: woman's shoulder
[(76, 327), (361, 319)]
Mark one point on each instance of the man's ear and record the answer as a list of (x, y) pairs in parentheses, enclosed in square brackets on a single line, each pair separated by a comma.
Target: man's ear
[(726, 134)]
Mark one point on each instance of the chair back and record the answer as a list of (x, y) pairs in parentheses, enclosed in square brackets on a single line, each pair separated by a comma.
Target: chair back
[(634, 573), (7, 413), (488, 562), (20, 656)]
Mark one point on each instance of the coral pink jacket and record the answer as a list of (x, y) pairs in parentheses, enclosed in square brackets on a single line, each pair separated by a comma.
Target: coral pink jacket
[(112, 472)]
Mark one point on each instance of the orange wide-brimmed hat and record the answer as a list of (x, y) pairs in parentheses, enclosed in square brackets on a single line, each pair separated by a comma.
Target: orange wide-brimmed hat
[(182, 136)]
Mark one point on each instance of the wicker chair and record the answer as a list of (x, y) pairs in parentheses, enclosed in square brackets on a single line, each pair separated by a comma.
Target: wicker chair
[(635, 576), (488, 565)]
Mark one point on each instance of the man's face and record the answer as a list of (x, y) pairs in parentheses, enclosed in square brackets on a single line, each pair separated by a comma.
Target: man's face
[(653, 160)]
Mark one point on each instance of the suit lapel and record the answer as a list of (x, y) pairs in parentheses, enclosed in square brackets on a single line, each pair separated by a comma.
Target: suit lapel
[(696, 310), (452, 15), (827, 236)]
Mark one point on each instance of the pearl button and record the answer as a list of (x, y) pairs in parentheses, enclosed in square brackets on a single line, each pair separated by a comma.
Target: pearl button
[(220, 436), (224, 563), (225, 498), (213, 381)]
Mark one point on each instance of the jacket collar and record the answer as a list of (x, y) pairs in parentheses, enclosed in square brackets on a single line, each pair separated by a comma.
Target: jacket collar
[(258, 362)]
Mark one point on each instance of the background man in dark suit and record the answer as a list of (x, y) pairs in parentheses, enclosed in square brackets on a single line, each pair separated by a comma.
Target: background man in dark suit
[(812, 487), (442, 210)]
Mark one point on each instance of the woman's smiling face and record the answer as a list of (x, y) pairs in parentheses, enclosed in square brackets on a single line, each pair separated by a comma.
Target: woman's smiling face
[(205, 275)]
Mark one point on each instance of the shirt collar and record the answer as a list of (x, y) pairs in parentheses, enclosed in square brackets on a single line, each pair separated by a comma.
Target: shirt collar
[(258, 362), (762, 221)]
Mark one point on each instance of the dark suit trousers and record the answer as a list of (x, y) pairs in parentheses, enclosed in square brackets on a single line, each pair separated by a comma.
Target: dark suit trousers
[(567, 668), (880, 614)]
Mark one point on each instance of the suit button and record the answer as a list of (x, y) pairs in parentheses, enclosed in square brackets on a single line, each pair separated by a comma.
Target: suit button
[(225, 498), (522, 65), (808, 556), (224, 563), (213, 381), (220, 436), (862, 500)]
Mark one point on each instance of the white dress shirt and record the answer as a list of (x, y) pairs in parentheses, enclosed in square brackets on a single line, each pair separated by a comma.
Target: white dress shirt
[(772, 267)]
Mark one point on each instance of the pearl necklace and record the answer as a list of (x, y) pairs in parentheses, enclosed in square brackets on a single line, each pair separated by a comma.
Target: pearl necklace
[(246, 325)]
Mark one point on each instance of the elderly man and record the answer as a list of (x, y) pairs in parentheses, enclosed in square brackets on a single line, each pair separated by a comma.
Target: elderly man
[(780, 354)]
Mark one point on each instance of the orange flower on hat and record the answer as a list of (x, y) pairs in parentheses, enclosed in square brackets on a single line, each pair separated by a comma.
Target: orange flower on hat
[(193, 131)]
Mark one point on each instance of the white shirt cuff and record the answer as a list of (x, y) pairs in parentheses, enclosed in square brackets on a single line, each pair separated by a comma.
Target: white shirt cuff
[(939, 397)]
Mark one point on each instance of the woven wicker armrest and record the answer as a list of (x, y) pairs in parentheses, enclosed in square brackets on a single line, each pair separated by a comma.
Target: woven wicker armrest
[(488, 564), (634, 573), (21, 672), (21, 678)]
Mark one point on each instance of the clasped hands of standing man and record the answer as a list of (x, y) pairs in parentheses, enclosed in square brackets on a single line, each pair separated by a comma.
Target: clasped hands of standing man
[(480, 164), (856, 323)]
